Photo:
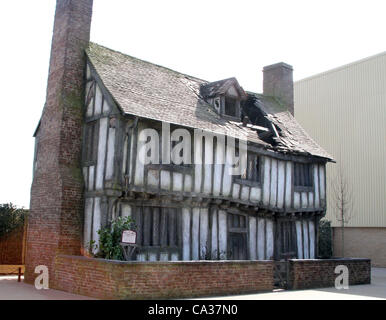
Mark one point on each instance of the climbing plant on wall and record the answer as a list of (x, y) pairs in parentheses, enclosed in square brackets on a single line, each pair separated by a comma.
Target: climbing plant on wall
[(110, 238)]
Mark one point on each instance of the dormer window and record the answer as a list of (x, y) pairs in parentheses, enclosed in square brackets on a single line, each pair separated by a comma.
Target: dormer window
[(231, 107), (225, 96)]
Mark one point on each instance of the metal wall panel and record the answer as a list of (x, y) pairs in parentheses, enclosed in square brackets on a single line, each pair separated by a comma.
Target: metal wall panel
[(344, 110)]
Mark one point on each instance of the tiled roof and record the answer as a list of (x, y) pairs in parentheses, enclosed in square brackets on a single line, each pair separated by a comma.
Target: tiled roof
[(220, 87), (150, 91)]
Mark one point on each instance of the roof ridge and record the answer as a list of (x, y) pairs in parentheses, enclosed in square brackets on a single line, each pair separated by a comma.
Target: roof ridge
[(147, 62)]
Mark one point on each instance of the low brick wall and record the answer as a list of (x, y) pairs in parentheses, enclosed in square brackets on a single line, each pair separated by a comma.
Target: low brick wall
[(107, 279), (319, 273)]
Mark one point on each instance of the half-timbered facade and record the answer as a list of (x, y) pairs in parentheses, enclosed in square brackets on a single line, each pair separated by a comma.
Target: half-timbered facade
[(187, 210)]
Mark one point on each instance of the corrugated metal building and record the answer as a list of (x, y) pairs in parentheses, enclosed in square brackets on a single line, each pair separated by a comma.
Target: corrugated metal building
[(344, 110)]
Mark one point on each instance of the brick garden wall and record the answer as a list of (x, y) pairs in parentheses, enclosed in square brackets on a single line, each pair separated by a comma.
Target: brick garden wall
[(105, 279), (319, 273), (12, 248)]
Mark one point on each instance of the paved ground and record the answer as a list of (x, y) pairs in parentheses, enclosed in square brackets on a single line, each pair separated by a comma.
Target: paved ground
[(374, 291), (10, 289)]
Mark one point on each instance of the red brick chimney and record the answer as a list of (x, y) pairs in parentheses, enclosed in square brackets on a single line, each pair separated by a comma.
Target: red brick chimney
[(278, 82), (55, 221)]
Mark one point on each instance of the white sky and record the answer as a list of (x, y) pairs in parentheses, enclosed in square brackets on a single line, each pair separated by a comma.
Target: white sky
[(208, 39)]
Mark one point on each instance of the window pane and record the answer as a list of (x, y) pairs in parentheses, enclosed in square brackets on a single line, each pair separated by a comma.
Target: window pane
[(230, 106)]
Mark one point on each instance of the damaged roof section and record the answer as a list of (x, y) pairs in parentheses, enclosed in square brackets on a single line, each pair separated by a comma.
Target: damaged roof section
[(285, 134), (150, 91)]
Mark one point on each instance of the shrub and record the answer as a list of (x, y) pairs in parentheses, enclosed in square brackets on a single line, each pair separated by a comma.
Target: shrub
[(11, 218), (110, 238), (325, 239)]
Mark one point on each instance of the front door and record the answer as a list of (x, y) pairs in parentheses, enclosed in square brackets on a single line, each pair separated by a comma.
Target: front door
[(286, 244), (237, 237)]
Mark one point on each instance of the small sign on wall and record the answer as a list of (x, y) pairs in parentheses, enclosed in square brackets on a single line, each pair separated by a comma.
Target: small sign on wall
[(129, 237)]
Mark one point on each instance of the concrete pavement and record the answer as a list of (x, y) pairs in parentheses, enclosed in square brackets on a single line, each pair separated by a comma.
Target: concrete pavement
[(374, 291), (10, 289)]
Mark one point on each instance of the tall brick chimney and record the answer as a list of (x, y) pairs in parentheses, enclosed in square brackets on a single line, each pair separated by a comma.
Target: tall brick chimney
[(278, 82), (55, 221)]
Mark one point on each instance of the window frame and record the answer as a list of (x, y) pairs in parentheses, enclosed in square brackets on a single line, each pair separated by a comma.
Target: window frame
[(90, 153), (237, 108), (302, 180), (256, 179)]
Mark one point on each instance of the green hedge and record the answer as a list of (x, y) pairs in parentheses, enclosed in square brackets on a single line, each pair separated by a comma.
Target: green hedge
[(325, 239), (11, 218)]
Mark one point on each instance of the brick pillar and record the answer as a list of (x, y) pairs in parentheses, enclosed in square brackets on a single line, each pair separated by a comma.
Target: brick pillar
[(55, 221)]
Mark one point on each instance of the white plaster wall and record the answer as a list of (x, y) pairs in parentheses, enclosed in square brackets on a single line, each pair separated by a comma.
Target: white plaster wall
[(267, 181), (316, 186), (305, 240), (177, 181), (126, 210), (273, 189), (218, 167), (152, 178), (106, 107), (255, 194), (281, 184), (261, 238), (174, 257), (214, 242), (236, 191), (96, 220), (124, 160), (310, 199), (270, 241), (245, 193), (98, 101), (222, 229), (91, 178), (299, 239), (101, 153), (195, 234), (304, 199), (186, 234), (188, 183), (165, 180), (311, 227), (85, 177), (204, 219), (322, 183), (110, 154), (90, 107), (252, 238), (208, 178), (296, 200), (288, 186), (88, 216)]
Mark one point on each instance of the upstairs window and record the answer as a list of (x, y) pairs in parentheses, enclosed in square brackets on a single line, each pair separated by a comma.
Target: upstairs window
[(231, 107), (253, 168), (303, 175), (91, 142)]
